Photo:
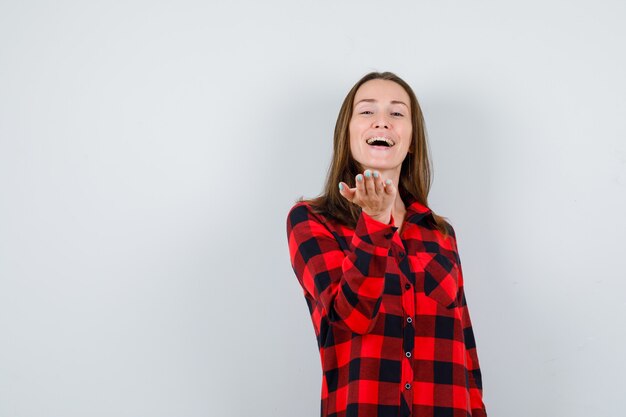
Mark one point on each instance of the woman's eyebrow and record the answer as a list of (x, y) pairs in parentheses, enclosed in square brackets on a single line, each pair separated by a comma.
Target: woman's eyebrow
[(371, 100)]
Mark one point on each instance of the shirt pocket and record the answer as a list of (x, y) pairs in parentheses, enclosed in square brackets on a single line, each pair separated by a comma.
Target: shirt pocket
[(441, 274)]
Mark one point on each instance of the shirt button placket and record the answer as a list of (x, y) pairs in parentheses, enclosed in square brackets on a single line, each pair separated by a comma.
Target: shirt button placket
[(409, 320), (408, 300)]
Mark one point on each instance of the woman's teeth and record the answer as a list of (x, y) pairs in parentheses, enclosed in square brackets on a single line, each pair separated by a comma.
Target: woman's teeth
[(380, 141)]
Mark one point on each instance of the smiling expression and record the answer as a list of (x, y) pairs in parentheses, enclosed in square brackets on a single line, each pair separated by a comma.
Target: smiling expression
[(380, 127)]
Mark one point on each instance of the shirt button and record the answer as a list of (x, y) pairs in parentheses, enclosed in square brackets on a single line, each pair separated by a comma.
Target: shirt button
[(409, 319), (407, 386), (407, 286), (408, 354)]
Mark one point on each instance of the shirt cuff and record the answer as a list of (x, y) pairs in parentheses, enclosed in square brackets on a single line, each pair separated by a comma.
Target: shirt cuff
[(372, 232)]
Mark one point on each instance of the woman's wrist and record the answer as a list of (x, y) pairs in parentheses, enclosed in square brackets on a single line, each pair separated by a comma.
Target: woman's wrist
[(383, 218)]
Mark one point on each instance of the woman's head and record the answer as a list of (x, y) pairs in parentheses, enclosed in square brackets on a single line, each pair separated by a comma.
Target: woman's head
[(380, 127), (352, 154), (414, 176)]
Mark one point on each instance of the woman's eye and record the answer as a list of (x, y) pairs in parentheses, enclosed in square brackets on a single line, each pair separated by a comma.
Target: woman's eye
[(366, 112), (396, 113)]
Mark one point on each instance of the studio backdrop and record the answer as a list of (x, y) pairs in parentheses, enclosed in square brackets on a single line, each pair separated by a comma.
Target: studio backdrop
[(150, 152)]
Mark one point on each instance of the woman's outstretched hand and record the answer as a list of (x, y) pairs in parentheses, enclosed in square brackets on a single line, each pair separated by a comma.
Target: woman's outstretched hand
[(373, 194)]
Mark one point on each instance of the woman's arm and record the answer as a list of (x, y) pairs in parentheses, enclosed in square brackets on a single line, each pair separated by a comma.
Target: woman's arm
[(348, 286), (473, 366)]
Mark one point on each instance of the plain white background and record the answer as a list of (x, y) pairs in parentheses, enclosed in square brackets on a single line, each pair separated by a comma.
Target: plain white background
[(150, 152)]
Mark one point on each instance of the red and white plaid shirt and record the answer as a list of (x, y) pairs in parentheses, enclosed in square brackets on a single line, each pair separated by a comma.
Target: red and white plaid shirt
[(389, 314)]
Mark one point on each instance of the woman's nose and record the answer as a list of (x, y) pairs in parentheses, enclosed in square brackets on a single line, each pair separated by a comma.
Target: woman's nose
[(381, 124)]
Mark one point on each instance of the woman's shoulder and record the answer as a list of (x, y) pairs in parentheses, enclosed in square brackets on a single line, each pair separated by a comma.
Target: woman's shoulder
[(302, 210), (298, 212), (310, 211), (300, 206)]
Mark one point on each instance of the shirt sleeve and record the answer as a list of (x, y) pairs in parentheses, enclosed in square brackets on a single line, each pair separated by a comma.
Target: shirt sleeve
[(348, 284), (473, 366)]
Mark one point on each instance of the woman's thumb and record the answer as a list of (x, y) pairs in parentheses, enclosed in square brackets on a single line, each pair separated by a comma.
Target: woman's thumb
[(345, 191)]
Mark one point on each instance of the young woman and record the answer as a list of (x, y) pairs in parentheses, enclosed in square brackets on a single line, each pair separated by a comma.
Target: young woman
[(380, 271)]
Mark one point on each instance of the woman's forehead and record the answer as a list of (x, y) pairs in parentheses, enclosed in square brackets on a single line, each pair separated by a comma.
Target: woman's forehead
[(381, 91)]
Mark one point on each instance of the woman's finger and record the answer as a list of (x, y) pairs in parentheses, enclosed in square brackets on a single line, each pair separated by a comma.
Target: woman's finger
[(360, 184), (370, 186), (389, 187), (378, 183)]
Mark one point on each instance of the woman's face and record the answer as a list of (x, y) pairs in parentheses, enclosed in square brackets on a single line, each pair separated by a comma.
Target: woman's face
[(381, 110)]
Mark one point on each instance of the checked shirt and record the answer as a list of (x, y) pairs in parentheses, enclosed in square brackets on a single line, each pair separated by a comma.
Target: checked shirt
[(390, 315)]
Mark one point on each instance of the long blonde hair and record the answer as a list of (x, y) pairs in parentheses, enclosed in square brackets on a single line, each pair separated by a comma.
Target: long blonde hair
[(415, 173)]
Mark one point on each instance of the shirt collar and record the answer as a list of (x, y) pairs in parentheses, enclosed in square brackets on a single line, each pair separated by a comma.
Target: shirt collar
[(415, 210)]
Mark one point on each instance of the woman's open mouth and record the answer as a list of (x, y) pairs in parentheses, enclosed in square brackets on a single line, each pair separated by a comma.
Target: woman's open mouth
[(379, 142)]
